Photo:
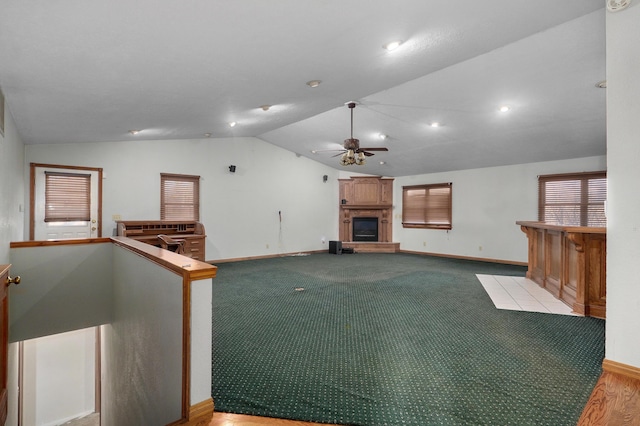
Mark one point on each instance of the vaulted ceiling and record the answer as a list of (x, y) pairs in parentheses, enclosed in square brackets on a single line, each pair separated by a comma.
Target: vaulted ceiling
[(78, 71)]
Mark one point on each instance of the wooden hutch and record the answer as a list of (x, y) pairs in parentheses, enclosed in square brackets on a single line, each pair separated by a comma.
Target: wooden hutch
[(367, 197), (569, 262), (190, 233)]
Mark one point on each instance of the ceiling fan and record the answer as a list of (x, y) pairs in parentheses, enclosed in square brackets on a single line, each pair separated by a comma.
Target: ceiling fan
[(352, 153)]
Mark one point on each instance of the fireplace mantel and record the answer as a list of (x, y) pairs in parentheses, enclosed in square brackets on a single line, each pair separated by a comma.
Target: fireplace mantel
[(366, 196), (365, 206)]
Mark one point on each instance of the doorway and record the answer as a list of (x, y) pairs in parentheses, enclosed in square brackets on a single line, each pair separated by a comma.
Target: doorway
[(65, 202), (58, 378)]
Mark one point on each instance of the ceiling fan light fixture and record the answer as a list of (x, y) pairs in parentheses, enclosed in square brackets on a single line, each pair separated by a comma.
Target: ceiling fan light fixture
[(617, 5), (504, 108)]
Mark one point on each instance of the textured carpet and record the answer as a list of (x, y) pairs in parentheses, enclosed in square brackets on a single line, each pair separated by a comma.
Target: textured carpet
[(393, 339)]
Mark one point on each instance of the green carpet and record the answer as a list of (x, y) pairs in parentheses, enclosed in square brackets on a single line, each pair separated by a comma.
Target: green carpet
[(393, 339)]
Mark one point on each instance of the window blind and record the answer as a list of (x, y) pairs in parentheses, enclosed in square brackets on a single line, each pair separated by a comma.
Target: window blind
[(67, 197), (575, 199), (427, 206), (179, 197)]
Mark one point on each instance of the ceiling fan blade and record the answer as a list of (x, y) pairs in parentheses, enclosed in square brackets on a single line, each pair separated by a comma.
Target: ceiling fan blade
[(368, 154), (339, 154), (373, 149)]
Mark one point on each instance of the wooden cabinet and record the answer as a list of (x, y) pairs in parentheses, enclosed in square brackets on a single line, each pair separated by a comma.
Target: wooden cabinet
[(570, 262), (366, 190), (190, 233)]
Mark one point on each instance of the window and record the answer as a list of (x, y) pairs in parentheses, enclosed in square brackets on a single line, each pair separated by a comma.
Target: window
[(179, 197), (67, 197), (427, 206), (575, 199)]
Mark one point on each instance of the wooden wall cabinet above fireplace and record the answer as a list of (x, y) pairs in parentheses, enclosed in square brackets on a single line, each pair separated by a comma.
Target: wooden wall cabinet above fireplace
[(369, 197)]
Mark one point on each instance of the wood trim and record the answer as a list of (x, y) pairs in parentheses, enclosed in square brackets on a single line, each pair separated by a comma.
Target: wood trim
[(625, 370), (477, 259), (199, 414), (98, 370), (26, 244), (422, 253), (615, 399), (267, 256), (561, 228), (181, 265), (186, 346)]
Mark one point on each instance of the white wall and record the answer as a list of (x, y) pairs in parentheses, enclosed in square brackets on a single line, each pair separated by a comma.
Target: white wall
[(59, 377), (65, 287), (11, 226), (11, 187), (142, 347), (239, 210), (201, 344), (623, 156), (486, 204)]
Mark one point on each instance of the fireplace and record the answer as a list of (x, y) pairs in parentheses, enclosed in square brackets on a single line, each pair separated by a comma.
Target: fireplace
[(365, 229)]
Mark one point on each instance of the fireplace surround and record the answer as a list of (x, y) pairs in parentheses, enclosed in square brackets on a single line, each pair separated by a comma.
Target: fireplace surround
[(366, 197)]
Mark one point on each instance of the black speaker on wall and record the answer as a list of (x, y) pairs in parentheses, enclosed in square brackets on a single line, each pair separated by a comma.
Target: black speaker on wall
[(232, 168)]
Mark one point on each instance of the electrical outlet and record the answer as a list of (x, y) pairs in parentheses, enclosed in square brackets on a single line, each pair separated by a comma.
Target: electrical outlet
[(116, 217), (323, 240), (479, 248), (424, 243), (267, 245)]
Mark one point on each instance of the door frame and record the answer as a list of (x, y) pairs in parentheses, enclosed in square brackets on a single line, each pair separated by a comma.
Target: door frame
[(32, 193)]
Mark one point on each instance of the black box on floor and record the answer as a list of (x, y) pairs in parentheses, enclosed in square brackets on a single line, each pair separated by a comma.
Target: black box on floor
[(348, 250), (335, 247)]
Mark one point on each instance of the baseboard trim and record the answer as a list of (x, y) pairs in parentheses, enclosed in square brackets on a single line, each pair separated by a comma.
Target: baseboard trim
[(625, 370), (266, 256), (421, 253), (200, 414), (615, 399), (477, 259)]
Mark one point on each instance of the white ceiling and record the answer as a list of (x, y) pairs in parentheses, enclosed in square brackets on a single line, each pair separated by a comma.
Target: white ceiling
[(87, 71)]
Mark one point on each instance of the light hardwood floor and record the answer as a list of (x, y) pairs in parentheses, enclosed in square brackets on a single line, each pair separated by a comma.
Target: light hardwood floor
[(226, 419)]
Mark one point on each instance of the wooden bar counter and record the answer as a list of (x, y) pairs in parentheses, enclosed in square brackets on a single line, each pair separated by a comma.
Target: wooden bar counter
[(569, 262)]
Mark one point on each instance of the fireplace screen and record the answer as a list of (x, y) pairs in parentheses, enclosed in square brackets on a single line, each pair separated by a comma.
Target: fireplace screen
[(365, 229)]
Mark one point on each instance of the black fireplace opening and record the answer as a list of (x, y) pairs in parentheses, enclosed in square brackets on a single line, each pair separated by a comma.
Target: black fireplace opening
[(365, 229)]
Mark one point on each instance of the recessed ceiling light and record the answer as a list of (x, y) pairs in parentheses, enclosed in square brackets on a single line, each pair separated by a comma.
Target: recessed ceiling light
[(265, 107), (314, 151), (382, 163), (392, 45), (207, 135), (382, 136), (134, 132), (232, 124), (314, 83), (602, 84), (504, 108), (435, 124)]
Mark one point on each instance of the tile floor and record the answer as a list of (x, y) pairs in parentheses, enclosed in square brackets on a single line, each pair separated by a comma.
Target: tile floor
[(521, 294)]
